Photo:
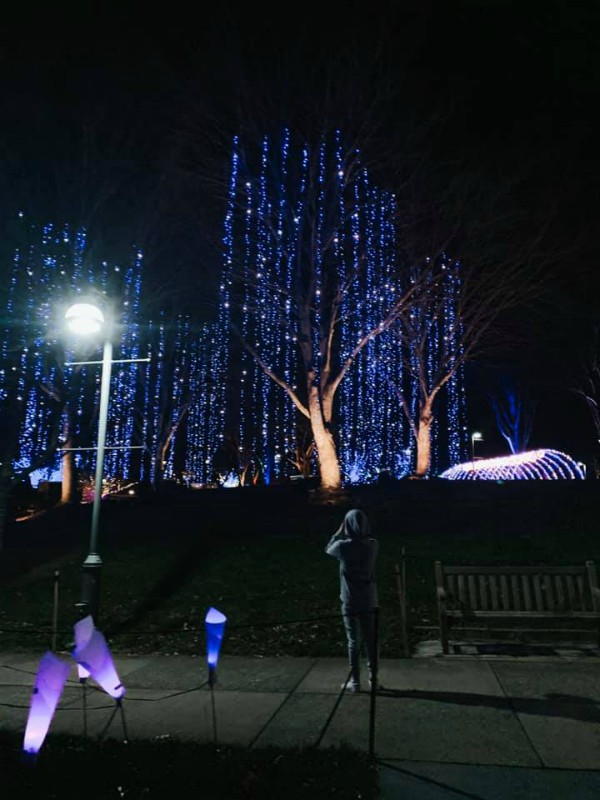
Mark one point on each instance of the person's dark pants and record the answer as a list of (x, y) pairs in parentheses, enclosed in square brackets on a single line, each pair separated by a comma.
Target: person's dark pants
[(360, 630)]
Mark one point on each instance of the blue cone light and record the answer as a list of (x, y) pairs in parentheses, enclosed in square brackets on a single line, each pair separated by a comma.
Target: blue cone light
[(51, 677), (215, 628), (92, 653)]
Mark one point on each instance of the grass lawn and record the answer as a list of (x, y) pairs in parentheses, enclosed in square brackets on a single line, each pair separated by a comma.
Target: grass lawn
[(69, 767), (259, 558)]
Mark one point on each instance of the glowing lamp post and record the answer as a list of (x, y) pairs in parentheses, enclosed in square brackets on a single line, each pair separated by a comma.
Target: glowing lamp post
[(86, 319), (475, 437), (215, 629)]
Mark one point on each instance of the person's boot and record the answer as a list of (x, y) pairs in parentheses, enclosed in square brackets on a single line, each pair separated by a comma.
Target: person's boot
[(353, 682)]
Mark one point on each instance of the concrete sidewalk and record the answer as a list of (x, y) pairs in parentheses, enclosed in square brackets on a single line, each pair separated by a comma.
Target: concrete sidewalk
[(445, 727)]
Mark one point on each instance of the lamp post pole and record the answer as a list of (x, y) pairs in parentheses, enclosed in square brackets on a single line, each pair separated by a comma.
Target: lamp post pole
[(85, 318), (475, 437), (92, 566)]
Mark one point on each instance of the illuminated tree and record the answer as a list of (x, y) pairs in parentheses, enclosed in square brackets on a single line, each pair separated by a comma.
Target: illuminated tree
[(486, 247), (513, 406), (472, 302), (177, 387), (311, 281), (430, 335)]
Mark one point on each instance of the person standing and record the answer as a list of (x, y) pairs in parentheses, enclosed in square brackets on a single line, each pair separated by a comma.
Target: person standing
[(356, 551)]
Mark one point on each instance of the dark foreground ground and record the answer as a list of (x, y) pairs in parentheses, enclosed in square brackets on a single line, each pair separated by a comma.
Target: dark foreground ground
[(257, 554), (74, 767)]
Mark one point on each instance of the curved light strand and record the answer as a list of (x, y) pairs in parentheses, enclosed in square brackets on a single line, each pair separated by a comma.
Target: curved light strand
[(543, 464)]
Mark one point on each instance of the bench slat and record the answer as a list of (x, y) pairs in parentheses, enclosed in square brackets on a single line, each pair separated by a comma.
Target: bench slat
[(515, 592), (582, 603), (461, 589), (560, 595), (493, 591), (473, 601), (512, 568), (548, 592), (504, 593), (526, 592), (592, 615), (592, 577), (571, 592), (452, 588), (483, 592), (537, 590)]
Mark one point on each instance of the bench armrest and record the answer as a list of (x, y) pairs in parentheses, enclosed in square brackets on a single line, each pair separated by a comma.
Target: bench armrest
[(443, 617), (595, 597)]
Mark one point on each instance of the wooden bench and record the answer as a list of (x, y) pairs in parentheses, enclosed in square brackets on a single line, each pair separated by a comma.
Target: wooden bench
[(518, 603)]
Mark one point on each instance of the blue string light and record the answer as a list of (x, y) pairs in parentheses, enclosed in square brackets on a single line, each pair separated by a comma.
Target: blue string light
[(267, 230), (267, 239)]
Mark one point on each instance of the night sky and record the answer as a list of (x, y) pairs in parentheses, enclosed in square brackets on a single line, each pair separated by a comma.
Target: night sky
[(120, 122)]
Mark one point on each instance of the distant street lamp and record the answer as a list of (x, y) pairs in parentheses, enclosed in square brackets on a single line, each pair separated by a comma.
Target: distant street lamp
[(87, 319), (476, 436)]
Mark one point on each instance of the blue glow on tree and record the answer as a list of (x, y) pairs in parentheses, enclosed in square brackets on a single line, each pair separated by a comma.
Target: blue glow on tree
[(51, 266), (308, 223)]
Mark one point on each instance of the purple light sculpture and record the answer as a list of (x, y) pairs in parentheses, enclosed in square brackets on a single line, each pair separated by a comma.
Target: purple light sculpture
[(531, 465), (83, 631), (51, 677), (215, 629), (93, 654)]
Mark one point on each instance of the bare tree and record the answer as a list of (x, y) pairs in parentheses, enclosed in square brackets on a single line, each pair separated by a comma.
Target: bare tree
[(513, 405), (492, 268), (452, 203), (587, 381), (10, 475), (312, 237), (325, 287)]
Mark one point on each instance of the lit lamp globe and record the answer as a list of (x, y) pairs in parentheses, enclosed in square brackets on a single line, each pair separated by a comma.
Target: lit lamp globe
[(84, 318)]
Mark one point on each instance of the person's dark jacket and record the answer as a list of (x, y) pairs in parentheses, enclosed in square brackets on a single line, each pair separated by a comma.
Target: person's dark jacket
[(357, 552)]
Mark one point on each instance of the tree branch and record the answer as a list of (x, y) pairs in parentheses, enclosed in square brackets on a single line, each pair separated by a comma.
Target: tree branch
[(274, 377)]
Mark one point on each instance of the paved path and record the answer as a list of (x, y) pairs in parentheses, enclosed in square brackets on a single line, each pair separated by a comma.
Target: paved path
[(445, 727)]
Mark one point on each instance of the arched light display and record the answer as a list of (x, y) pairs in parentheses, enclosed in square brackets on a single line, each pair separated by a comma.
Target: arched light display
[(547, 465)]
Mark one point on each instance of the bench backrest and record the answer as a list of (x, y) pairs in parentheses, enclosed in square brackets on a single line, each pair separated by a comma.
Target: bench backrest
[(514, 588)]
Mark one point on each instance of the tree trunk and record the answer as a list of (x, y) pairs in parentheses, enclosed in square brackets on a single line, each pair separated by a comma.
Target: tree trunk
[(329, 465), (68, 493), (424, 439)]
